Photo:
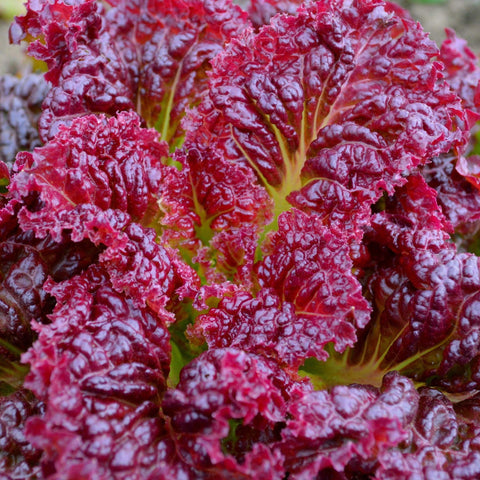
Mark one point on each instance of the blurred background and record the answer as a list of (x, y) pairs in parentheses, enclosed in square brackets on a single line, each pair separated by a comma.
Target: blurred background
[(461, 15), (11, 58)]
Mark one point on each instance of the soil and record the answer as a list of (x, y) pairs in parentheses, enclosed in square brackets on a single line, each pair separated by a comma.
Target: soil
[(461, 15)]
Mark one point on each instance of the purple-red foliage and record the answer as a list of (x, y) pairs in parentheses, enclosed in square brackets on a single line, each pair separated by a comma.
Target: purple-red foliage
[(18, 458), (246, 248), (150, 57)]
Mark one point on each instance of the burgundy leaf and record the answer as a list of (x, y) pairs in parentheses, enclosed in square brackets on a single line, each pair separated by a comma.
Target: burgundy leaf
[(148, 272), (462, 70), (309, 265), (225, 390), (329, 429), (101, 368), (307, 298), (459, 198), (20, 106), (455, 175), (443, 444), (151, 57), (18, 458), (261, 11), (111, 163), (327, 108), (216, 205), (394, 433), (25, 264), (412, 219), (426, 296)]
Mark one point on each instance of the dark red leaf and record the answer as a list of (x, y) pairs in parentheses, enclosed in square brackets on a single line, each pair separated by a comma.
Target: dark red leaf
[(442, 444), (25, 264), (329, 429), (261, 11), (307, 297), (151, 57), (327, 108), (216, 205), (111, 163), (462, 70), (101, 368), (18, 458), (426, 296), (459, 199), (20, 106), (147, 272), (228, 399)]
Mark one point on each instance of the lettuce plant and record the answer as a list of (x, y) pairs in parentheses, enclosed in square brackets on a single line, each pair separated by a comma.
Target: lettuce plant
[(239, 244)]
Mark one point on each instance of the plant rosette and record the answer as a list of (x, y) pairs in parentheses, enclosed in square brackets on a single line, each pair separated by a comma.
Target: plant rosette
[(239, 244)]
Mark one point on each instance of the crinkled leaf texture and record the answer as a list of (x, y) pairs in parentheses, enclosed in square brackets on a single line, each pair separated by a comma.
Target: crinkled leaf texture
[(327, 430), (214, 217), (443, 442), (148, 272), (151, 57), (95, 181), (425, 294), (306, 298), (462, 71), (101, 369), (261, 11), (18, 458), (110, 163), (394, 432), (327, 109), (236, 415), (455, 176), (228, 410), (459, 199), (25, 264), (306, 123), (20, 107)]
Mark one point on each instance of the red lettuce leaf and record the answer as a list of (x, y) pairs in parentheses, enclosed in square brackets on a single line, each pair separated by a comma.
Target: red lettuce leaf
[(412, 219), (328, 430), (111, 163), (458, 198), (306, 298), (148, 272), (427, 318), (25, 264), (214, 213), (329, 120), (261, 11), (226, 410), (102, 318), (18, 458), (20, 107), (394, 433), (95, 180), (462, 71), (425, 297), (309, 265), (443, 442), (151, 57), (101, 369), (455, 175)]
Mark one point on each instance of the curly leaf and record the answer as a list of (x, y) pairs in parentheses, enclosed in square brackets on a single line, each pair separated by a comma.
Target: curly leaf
[(306, 297), (151, 57), (101, 369), (328, 108)]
